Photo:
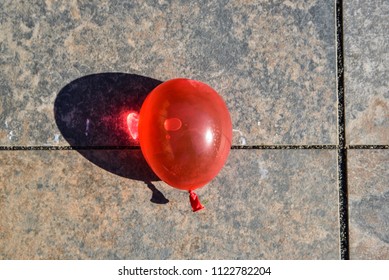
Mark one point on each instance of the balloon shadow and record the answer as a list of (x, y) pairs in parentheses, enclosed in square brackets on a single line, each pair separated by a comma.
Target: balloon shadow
[(91, 113)]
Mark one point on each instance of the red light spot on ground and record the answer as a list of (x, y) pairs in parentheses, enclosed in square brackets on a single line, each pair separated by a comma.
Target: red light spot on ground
[(132, 123)]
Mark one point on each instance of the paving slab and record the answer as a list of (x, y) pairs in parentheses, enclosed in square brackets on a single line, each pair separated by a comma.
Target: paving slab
[(273, 63), (369, 204), (279, 204), (366, 49)]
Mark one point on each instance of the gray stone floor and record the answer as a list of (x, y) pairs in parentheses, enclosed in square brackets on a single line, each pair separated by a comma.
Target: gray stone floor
[(71, 70)]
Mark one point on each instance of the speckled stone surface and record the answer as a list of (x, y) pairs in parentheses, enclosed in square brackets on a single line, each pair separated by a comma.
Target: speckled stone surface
[(369, 204), (273, 62), (366, 42), (263, 205)]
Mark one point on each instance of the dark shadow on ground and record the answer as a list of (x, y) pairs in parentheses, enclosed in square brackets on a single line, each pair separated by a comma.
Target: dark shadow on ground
[(91, 113)]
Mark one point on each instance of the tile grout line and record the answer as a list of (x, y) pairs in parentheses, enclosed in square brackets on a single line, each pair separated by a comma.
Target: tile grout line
[(342, 147), (233, 147), (368, 147)]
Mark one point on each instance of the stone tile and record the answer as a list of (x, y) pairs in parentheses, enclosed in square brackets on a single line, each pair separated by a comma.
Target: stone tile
[(263, 205), (366, 42), (273, 62), (369, 204)]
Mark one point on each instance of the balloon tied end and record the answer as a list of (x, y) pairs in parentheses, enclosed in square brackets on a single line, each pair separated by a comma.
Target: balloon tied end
[(195, 202)]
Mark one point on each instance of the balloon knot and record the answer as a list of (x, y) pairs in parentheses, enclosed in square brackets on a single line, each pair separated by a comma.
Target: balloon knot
[(195, 202)]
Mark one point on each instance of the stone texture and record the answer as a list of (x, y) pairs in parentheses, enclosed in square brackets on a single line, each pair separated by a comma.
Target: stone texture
[(366, 42), (273, 62), (369, 204), (278, 204)]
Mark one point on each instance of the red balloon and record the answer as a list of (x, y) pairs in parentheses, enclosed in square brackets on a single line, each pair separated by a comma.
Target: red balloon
[(185, 133)]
